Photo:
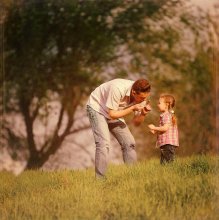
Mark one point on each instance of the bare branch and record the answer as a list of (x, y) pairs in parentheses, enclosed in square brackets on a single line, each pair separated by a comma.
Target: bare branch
[(59, 121), (35, 113), (84, 149), (45, 145), (75, 94), (78, 129)]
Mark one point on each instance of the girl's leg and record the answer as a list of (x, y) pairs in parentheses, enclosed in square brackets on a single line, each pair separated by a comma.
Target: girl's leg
[(167, 153), (162, 157), (102, 140), (123, 135)]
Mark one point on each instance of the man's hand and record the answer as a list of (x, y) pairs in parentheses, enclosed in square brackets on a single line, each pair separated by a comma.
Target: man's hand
[(137, 107), (147, 107), (144, 111), (141, 111), (139, 117)]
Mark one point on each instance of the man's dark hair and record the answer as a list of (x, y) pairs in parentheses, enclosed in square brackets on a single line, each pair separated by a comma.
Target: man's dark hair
[(141, 85)]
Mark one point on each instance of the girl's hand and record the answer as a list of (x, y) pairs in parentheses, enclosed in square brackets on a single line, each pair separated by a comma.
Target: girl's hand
[(152, 131), (151, 126)]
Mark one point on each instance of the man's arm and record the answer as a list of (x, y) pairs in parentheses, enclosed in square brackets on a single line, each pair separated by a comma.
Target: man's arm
[(138, 119), (115, 114)]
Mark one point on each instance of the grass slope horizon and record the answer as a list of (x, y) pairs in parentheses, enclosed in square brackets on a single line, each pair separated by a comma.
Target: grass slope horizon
[(186, 189)]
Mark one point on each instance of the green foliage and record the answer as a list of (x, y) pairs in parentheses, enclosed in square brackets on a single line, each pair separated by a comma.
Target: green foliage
[(55, 43), (185, 69), (188, 187)]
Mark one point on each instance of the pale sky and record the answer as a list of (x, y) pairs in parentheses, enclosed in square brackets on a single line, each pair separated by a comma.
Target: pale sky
[(206, 4)]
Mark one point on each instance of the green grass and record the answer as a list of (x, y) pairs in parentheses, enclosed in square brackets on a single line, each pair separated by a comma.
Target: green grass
[(185, 189)]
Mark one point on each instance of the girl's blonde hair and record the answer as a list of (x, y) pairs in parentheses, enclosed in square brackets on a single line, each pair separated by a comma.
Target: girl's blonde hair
[(170, 101)]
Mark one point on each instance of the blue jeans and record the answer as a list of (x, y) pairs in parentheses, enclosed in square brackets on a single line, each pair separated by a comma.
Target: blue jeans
[(102, 127)]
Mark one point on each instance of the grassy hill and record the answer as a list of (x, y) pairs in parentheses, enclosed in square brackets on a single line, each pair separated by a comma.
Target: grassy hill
[(186, 189)]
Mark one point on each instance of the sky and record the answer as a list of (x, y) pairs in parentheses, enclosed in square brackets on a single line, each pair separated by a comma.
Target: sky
[(205, 4)]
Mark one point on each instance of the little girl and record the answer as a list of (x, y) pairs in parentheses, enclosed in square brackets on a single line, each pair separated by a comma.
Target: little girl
[(167, 132)]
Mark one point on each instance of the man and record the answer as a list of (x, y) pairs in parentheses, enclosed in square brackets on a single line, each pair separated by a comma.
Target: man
[(106, 107)]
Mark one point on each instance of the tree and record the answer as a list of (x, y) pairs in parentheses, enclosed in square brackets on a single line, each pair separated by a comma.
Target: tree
[(59, 47), (181, 61)]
